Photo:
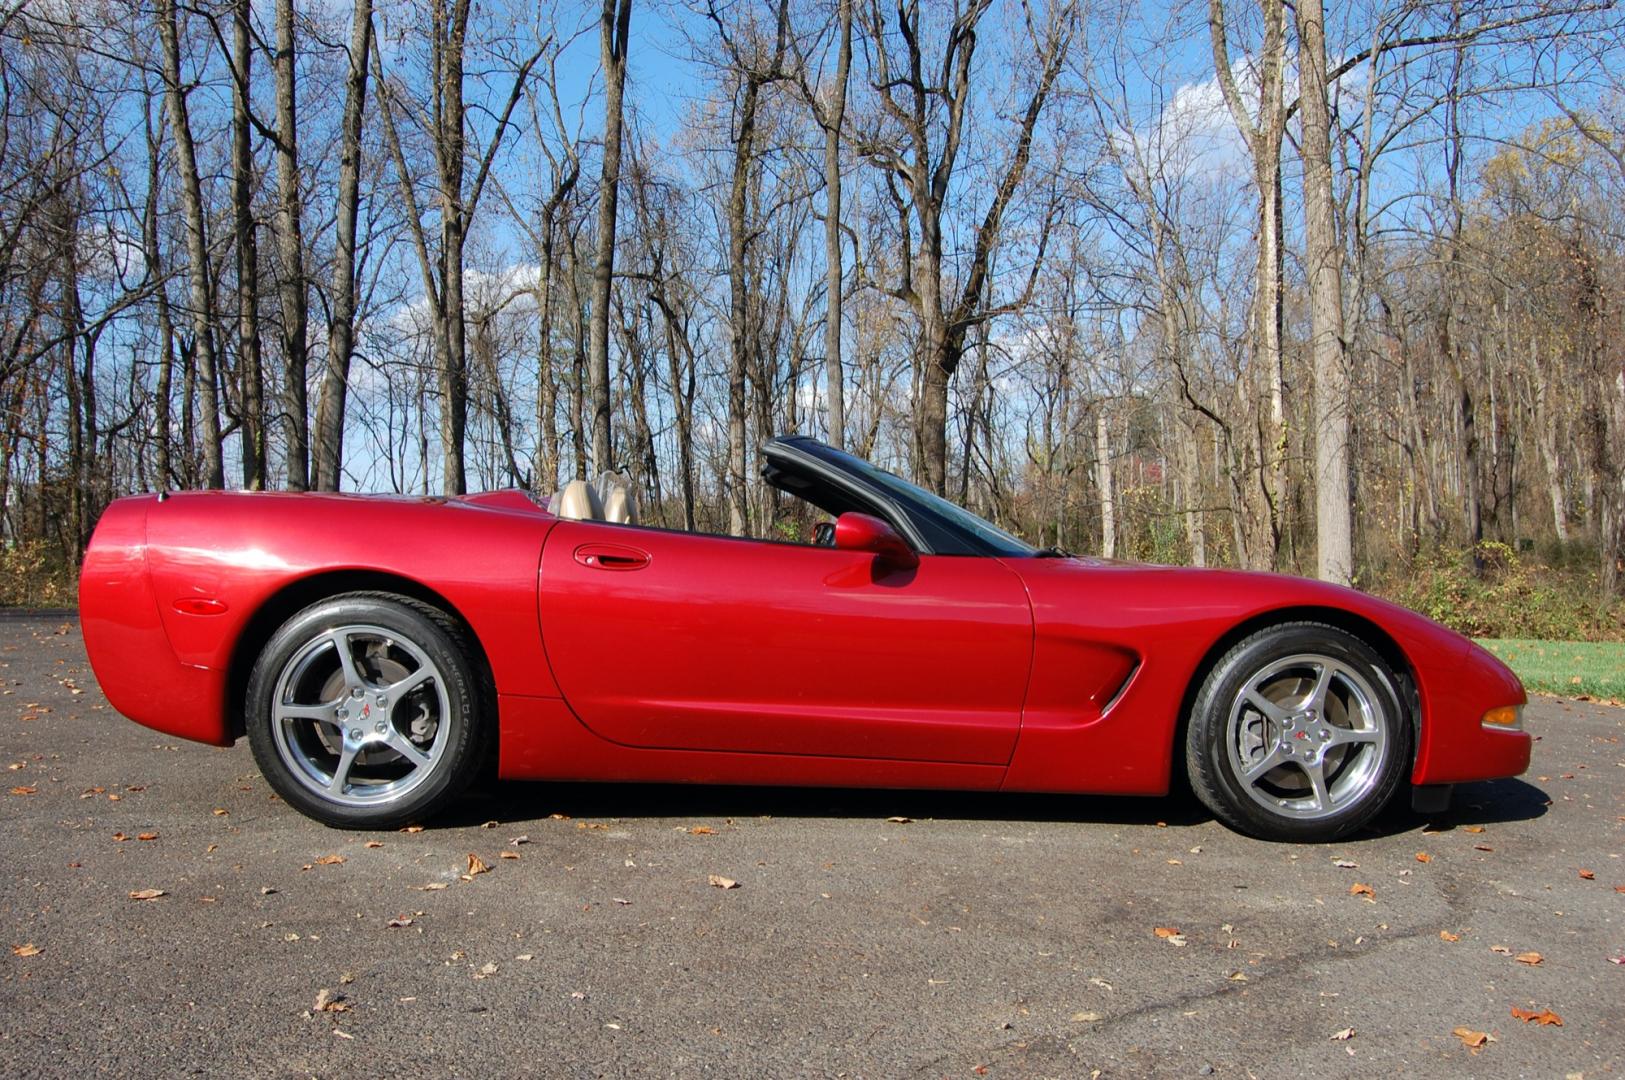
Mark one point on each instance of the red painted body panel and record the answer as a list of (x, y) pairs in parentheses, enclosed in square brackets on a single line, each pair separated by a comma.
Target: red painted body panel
[(243, 550), (715, 643), (640, 654)]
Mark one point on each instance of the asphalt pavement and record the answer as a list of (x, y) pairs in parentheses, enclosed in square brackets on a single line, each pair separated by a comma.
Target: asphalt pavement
[(865, 934)]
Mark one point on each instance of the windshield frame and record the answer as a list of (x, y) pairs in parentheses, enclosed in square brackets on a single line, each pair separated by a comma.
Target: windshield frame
[(930, 514)]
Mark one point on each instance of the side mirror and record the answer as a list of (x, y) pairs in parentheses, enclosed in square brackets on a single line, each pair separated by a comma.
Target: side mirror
[(864, 532)]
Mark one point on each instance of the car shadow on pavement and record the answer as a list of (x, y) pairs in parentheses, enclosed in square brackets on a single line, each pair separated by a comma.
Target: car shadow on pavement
[(519, 801), (516, 802)]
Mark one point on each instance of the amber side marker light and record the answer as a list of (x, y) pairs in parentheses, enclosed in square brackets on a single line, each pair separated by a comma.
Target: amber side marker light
[(1507, 716)]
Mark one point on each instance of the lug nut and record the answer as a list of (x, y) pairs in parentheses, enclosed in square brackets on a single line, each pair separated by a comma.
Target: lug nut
[(383, 699), (355, 733), (379, 727), (341, 713), (358, 693)]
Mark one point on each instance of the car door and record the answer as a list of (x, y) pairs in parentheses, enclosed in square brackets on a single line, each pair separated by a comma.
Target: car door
[(682, 641)]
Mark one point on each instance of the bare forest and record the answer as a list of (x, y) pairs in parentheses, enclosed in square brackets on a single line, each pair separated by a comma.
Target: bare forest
[(1335, 289)]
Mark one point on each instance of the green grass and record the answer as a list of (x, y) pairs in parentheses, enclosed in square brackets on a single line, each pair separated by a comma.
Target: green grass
[(1570, 668)]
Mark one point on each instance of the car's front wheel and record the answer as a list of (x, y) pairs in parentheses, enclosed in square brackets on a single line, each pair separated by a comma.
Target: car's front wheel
[(1299, 732), (363, 711)]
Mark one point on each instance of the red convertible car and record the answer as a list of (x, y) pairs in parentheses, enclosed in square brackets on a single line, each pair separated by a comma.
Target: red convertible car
[(378, 651)]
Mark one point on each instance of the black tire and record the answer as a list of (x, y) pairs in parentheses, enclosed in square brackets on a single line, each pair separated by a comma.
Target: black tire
[(1252, 758), (410, 753)]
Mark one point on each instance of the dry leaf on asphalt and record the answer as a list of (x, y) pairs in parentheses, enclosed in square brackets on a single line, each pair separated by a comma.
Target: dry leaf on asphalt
[(701, 830), (1087, 1018), (413, 829), (1345, 864), (329, 860), (721, 882), (1422, 856), (1588, 875), (1448, 936), (1530, 958), (374, 844), (23, 790), (899, 820), (1545, 1017), (25, 950), (475, 866), (399, 921), (329, 1001), (1501, 950), (1472, 1040), (147, 894), (146, 836), (1343, 1036), (1361, 889), (1473, 829), (508, 855)]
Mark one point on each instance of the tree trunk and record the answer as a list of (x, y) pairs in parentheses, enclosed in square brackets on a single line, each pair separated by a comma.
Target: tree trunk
[(835, 380), (1334, 518), (197, 249), (330, 407), (739, 328), (291, 241), (248, 288), (1103, 480), (613, 30)]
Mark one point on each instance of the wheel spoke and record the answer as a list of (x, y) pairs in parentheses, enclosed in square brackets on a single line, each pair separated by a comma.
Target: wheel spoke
[(341, 771), (407, 749), (1343, 735), (1317, 696), (398, 690), (322, 714), (352, 673), (1256, 772), (1317, 780), (1265, 705)]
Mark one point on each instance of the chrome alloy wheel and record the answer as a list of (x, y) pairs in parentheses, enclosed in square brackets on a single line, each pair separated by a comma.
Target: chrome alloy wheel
[(1307, 736), (360, 715)]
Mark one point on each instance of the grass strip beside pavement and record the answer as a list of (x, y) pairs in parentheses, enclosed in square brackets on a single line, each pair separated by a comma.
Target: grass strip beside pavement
[(1570, 668)]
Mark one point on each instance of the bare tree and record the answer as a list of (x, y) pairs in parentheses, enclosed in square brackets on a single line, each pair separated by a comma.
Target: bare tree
[(614, 30)]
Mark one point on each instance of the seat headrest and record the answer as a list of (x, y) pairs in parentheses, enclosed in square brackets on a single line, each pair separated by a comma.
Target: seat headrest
[(579, 502)]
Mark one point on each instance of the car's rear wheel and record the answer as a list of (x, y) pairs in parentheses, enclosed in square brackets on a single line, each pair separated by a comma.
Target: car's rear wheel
[(1299, 732), (363, 711)]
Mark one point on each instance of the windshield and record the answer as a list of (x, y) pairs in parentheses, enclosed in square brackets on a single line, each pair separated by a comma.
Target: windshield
[(995, 538)]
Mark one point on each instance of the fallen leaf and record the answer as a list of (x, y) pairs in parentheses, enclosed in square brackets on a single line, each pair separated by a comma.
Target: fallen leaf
[(1359, 889), (702, 830), (120, 837), (1422, 856), (1545, 1017), (517, 840), (1238, 976), (899, 820), (591, 825), (25, 950), (1343, 1036), (413, 829), (434, 886), (23, 790), (621, 901), (721, 882), (1087, 1018), (1473, 828), (147, 894), (146, 836), (525, 956), (1471, 1039), (558, 817), (329, 860), (1346, 864), (1588, 875), (508, 855), (329, 1001), (490, 824), (475, 866), (1482, 847), (1530, 958), (399, 921), (374, 844), (488, 969), (1166, 931), (221, 811), (1448, 936), (1501, 949)]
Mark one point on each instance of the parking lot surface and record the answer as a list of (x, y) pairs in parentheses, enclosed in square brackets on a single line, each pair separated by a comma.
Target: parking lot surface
[(878, 934)]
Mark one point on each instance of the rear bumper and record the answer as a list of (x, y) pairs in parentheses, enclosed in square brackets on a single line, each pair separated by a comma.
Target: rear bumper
[(125, 639)]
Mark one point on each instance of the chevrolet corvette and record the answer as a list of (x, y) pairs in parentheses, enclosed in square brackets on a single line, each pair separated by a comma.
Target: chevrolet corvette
[(380, 652)]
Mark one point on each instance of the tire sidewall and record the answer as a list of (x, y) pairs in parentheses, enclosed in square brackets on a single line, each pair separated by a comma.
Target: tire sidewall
[(1208, 760), (449, 772)]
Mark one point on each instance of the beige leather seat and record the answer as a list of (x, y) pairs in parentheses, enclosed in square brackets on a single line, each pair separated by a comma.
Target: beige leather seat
[(619, 505), (577, 500)]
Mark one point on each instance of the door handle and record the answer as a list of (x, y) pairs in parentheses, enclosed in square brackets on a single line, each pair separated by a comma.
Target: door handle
[(611, 557)]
